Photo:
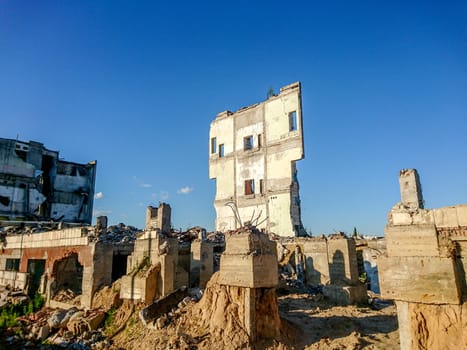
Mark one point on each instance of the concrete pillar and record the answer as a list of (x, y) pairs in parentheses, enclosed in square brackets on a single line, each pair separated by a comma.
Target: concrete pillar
[(411, 189), (201, 263)]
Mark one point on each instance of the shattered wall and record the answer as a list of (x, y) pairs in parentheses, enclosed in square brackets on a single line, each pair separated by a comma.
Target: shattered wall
[(151, 249), (53, 261), (331, 262), (252, 155), (424, 272), (158, 217), (35, 184)]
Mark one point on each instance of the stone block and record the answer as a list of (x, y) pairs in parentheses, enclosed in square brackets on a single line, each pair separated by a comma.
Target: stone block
[(249, 243), (141, 286), (346, 295), (201, 263), (411, 240), (252, 271), (401, 218), (462, 215), (419, 279), (316, 261), (446, 217), (342, 257)]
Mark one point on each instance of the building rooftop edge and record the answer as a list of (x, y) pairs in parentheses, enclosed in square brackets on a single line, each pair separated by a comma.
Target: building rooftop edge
[(283, 90)]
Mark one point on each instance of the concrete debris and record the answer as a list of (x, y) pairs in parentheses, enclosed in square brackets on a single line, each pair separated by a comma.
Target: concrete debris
[(119, 234)]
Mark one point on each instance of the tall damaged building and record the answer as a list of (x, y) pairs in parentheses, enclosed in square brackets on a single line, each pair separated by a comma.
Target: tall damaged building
[(252, 156), (35, 184)]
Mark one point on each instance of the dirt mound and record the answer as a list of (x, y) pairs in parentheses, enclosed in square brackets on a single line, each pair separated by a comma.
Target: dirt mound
[(220, 320), (108, 297)]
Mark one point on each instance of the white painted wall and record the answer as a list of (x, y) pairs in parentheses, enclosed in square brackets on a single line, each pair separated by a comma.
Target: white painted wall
[(272, 162)]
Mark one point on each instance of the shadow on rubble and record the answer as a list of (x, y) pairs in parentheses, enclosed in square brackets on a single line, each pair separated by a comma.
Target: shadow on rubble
[(314, 328), (308, 304)]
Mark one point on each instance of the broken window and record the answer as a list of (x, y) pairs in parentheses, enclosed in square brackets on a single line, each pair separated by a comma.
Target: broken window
[(5, 201), (22, 154), (248, 143), (213, 145), (221, 150), (293, 121), (12, 265), (249, 186)]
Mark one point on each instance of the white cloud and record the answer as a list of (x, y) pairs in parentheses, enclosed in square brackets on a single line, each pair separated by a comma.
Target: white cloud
[(164, 195), (98, 195), (101, 212), (185, 190), (146, 185)]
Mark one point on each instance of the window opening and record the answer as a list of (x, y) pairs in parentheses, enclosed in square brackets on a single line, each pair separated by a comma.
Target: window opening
[(12, 264), (248, 143), (249, 186), (221, 150), (293, 121), (213, 145)]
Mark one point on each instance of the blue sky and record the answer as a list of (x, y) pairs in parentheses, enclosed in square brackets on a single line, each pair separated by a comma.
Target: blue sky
[(135, 84)]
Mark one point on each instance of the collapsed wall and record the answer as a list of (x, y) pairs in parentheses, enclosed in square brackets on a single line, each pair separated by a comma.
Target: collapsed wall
[(330, 262), (424, 270), (151, 269), (64, 264)]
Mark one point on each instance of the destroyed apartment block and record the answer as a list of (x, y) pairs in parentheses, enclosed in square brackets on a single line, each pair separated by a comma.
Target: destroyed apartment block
[(252, 156), (424, 270), (35, 185), (67, 265)]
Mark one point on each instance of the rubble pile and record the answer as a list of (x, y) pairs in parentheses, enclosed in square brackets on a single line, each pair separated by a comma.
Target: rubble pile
[(72, 328), (119, 234), (67, 296), (12, 297)]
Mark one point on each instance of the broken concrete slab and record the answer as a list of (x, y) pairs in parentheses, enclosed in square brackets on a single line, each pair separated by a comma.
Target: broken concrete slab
[(419, 279), (411, 240)]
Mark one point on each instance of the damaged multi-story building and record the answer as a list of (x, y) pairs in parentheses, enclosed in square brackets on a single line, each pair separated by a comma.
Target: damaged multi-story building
[(35, 184), (252, 156)]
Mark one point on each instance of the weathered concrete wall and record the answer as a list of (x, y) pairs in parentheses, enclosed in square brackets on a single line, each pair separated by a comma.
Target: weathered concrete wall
[(58, 238), (201, 263), (141, 285), (157, 250), (13, 279), (158, 217), (315, 258), (249, 260), (411, 189), (53, 246), (342, 256), (252, 155), (424, 271)]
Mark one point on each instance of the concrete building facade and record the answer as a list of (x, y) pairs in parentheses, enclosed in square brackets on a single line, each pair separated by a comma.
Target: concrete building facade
[(252, 156), (35, 184)]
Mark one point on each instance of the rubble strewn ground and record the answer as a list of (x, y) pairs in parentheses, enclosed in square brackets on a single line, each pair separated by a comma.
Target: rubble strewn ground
[(308, 321)]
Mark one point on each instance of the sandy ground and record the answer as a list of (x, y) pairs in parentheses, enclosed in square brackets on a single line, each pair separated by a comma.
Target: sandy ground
[(308, 324), (327, 326)]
